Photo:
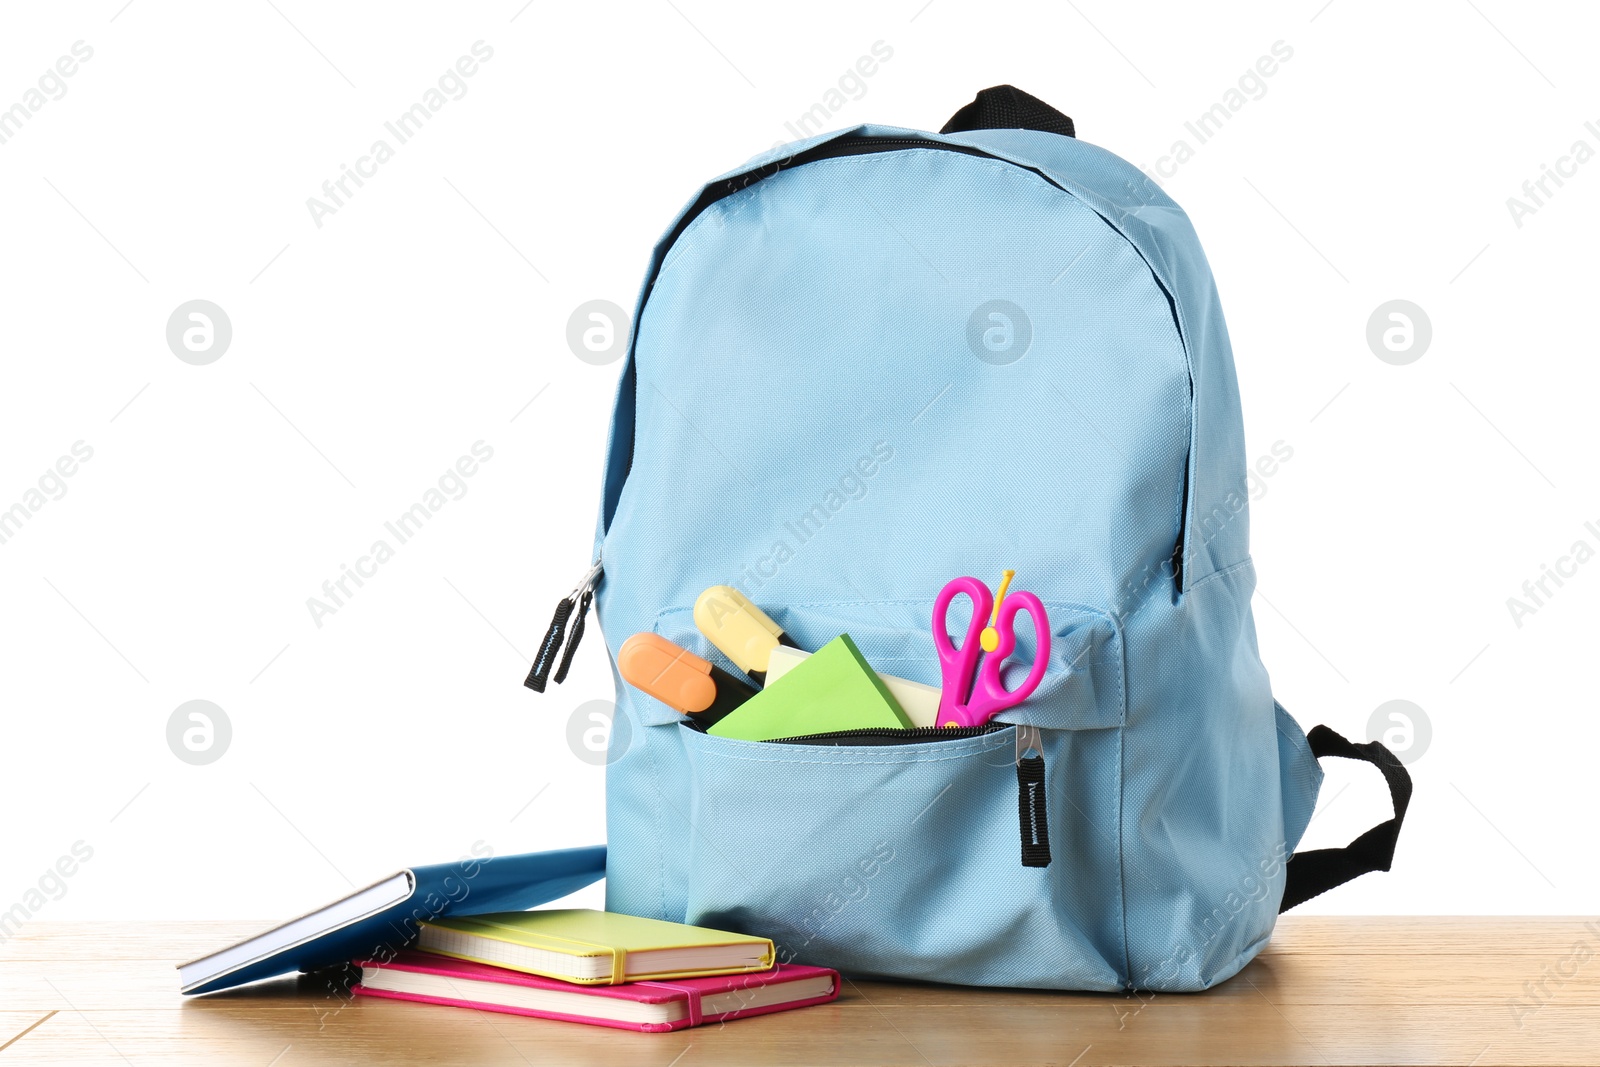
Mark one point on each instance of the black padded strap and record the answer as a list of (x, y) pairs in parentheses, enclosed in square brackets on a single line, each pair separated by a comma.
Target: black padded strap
[(1315, 872), (1005, 107)]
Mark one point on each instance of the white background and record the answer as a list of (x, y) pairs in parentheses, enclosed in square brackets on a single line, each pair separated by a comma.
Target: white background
[(425, 314)]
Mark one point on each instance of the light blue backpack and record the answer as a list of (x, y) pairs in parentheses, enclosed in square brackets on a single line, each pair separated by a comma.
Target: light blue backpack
[(870, 362)]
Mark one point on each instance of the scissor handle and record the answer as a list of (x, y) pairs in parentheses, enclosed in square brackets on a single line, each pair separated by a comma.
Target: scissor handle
[(989, 693), (957, 666), (982, 605)]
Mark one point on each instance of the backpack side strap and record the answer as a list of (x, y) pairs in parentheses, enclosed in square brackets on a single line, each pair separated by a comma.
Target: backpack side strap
[(1313, 873), (1005, 107)]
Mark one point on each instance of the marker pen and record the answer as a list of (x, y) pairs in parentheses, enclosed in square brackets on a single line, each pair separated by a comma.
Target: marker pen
[(680, 679), (739, 629)]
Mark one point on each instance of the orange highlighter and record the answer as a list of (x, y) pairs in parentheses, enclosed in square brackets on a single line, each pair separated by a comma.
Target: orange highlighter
[(680, 679)]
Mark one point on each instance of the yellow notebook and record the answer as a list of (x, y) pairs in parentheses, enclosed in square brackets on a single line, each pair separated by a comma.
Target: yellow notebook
[(594, 947)]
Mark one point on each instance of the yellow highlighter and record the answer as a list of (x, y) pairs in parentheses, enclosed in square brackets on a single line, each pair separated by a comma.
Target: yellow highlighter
[(739, 629)]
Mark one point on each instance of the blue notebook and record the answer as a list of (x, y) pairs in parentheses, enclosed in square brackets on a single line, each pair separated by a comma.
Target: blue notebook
[(381, 919)]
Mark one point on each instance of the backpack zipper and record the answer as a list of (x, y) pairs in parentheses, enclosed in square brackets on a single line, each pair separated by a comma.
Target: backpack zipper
[(579, 599), (889, 735)]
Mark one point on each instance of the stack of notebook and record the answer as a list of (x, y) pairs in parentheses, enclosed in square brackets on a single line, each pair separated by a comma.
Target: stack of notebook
[(595, 967), (446, 934)]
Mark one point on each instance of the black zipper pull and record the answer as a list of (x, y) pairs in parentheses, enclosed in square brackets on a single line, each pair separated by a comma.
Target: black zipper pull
[(577, 635), (539, 675), (1031, 798)]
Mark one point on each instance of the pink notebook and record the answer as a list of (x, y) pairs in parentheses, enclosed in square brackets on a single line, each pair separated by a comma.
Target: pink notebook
[(649, 1006)]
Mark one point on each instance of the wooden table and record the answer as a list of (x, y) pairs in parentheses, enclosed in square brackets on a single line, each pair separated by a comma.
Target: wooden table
[(1327, 991)]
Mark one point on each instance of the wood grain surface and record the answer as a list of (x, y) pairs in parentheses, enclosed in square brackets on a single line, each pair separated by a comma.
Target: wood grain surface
[(1327, 991)]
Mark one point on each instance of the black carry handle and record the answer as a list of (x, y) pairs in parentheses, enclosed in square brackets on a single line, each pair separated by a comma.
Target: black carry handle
[(1313, 873), (1005, 107)]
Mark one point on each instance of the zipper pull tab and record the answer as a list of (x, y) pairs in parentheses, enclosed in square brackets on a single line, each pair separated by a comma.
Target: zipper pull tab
[(1031, 797), (540, 673), (577, 635), (582, 594)]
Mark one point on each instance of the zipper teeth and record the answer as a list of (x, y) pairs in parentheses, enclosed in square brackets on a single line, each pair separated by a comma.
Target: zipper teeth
[(876, 144), (911, 733)]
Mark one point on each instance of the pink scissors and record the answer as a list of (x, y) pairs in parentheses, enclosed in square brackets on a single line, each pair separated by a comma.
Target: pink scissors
[(973, 693)]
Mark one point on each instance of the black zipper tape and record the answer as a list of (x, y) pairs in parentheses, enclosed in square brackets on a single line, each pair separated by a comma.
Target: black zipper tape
[(888, 735), (874, 735)]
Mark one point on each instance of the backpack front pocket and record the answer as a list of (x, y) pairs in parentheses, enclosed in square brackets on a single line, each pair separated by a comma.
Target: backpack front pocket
[(902, 854), (893, 859)]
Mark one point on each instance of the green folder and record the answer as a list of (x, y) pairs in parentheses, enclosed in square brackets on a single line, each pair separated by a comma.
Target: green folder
[(834, 689)]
